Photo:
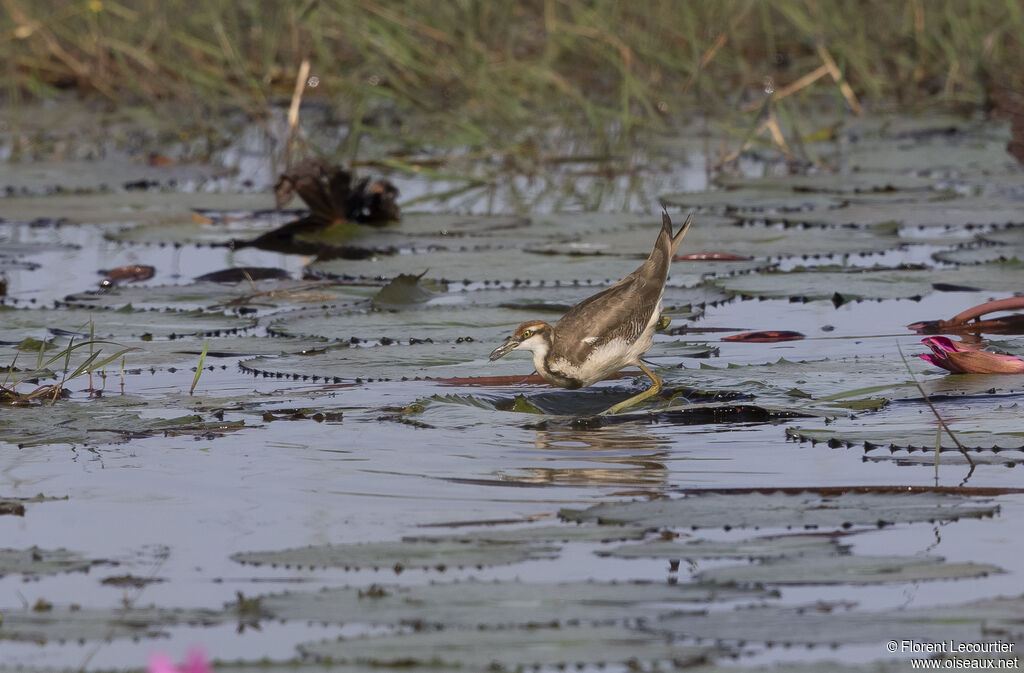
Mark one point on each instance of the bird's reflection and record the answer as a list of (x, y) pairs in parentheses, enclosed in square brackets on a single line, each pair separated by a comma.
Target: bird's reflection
[(627, 456)]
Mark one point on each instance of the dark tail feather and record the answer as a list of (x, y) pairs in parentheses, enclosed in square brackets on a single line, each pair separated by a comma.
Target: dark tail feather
[(666, 225)]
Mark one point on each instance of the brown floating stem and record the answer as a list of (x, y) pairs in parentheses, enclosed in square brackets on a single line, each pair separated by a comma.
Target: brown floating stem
[(1009, 304)]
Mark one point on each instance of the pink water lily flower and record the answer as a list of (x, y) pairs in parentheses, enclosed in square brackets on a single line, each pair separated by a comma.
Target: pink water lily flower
[(960, 358), (195, 663)]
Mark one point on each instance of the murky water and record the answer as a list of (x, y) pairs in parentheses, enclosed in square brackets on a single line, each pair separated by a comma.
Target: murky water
[(175, 508)]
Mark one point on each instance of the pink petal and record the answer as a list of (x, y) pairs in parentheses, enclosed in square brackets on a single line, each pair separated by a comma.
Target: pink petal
[(941, 344), (983, 362), (197, 662), (160, 663)]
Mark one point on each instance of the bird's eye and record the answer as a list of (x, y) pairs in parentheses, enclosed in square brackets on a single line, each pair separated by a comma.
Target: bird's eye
[(527, 334)]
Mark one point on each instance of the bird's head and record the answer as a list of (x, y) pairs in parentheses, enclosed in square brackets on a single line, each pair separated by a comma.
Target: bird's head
[(533, 335)]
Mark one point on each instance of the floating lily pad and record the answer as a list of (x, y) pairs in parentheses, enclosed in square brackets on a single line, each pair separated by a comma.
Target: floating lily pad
[(510, 265), (781, 510), (146, 356), (155, 211), (857, 181), (62, 624), (832, 384), (955, 155), (761, 548), (494, 604), (110, 172), (439, 323), (980, 621), (562, 533), (19, 324), (400, 555), (752, 198), (985, 428), (260, 295), (755, 241), (35, 561), (442, 359), (976, 212), (982, 254), (509, 649), (105, 420), (846, 570), (557, 299), (871, 284)]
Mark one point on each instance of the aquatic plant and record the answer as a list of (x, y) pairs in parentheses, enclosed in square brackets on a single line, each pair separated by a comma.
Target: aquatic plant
[(960, 358), (14, 377), (195, 663)]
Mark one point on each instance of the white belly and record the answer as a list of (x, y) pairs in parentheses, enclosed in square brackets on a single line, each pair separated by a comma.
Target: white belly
[(611, 357)]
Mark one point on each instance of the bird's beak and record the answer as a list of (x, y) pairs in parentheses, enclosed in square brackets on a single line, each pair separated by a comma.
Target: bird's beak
[(502, 350)]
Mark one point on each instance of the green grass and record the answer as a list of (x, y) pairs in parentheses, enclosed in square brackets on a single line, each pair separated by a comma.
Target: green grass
[(485, 68)]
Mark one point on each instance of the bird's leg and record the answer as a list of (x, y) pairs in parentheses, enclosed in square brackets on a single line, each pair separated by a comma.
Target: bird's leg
[(637, 399)]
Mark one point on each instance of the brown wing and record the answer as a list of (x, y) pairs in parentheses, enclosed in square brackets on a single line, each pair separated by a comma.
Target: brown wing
[(621, 311)]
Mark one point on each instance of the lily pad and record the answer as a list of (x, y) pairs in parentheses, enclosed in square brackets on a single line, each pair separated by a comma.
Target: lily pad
[(983, 254), (980, 621), (846, 570), (495, 604), (975, 212), (781, 510), (755, 241), (989, 428), (752, 198), (831, 385), (146, 356), (438, 322), (63, 624), (19, 324), (400, 555), (106, 420), (954, 155), (562, 533), (260, 295), (509, 649), (871, 283), (760, 548), (390, 362), (156, 211), (845, 183), (516, 266), (35, 561)]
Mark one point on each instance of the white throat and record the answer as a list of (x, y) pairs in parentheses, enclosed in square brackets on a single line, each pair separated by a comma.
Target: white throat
[(539, 347)]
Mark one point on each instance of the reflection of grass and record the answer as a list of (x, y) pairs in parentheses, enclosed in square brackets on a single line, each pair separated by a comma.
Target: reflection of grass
[(485, 67)]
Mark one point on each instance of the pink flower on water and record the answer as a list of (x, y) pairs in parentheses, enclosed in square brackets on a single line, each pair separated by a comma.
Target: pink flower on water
[(196, 663), (959, 358)]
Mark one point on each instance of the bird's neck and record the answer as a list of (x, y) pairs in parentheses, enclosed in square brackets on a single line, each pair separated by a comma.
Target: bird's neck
[(540, 354)]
